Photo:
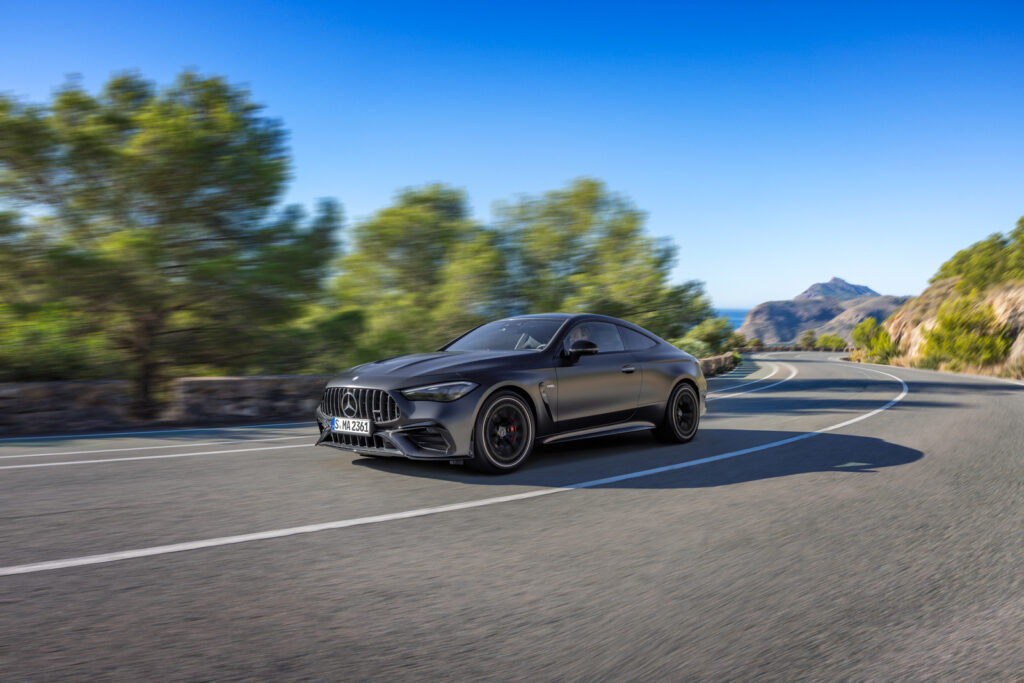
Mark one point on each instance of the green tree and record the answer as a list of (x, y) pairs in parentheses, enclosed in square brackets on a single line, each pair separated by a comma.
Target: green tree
[(422, 271), (807, 339), (584, 248), (736, 341), (992, 261), (148, 210)]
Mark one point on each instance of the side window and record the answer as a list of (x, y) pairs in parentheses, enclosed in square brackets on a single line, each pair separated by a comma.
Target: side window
[(634, 341), (604, 335)]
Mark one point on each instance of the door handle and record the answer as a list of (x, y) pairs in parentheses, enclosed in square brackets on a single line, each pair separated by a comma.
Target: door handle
[(628, 369)]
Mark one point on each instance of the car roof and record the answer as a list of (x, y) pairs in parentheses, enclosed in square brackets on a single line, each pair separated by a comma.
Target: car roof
[(573, 316)]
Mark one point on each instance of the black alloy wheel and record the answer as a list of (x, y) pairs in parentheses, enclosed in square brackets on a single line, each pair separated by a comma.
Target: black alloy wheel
[(682, 415), (503, 437)]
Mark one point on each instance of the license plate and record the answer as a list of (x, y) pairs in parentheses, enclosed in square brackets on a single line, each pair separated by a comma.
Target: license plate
[(350, 425)]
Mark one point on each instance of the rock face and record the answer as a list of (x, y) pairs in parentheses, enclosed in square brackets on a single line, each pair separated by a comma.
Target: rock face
[(836, 288), (833, 307), (908, 325)]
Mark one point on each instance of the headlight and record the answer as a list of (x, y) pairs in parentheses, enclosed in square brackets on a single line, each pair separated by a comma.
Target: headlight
[(448, 391)]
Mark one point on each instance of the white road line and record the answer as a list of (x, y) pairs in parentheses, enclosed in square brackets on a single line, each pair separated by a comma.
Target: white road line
[(152, 431), (941, 373), (151, 457), (792, 374), (149, 448), (775, 368), (423, 512), (711, 397), (726, 374)]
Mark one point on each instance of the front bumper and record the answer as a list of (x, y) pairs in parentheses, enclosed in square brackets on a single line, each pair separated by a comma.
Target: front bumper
[(418, 441)]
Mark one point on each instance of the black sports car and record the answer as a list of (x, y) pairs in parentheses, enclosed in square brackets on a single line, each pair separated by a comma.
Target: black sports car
[(488, 396)]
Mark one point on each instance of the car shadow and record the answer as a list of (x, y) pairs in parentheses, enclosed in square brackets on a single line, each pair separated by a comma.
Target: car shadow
[(687, 465)]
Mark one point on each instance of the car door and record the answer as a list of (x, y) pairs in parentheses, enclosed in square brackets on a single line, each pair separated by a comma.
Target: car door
[(600, 389)]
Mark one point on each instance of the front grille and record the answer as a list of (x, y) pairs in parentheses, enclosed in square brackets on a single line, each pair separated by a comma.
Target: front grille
[(370, 404), (357, 441)]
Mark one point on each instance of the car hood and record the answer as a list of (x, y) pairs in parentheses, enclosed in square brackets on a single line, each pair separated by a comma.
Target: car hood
[(429, 367)]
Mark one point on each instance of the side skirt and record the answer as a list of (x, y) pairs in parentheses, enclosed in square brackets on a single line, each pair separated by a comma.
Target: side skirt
[(606, 430)]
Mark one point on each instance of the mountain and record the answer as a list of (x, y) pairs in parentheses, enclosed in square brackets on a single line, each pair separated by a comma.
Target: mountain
[(833, 307), (859, 310), (836, 288), (775, 322)]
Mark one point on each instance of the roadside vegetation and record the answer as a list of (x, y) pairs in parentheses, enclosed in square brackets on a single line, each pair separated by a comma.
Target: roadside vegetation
[(141, 237), (810, 341), (712, 336), (872, 342), (954, 319), (966, 334)]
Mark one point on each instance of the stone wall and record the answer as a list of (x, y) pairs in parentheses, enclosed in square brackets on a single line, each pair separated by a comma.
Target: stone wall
[(40, 408), (717, 364), (220, 399), (65, 407)]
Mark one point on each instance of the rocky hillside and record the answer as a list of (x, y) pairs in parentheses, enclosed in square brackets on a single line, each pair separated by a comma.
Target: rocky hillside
[(908, 325), (858, 310), (836, 288), (777, 322)]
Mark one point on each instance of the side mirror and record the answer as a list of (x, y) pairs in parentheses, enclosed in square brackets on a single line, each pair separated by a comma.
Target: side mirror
[(581, 347)]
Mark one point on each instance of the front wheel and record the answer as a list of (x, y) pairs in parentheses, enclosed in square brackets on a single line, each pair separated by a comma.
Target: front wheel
[(682, 415), (503, 435)]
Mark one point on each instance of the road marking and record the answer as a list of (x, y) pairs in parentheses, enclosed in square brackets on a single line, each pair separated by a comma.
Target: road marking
[(148, 448), (775, 368), (152, 431), (423, 512), (940, 373), (711, 397), (739, 366), (792, 373), (152, 457)]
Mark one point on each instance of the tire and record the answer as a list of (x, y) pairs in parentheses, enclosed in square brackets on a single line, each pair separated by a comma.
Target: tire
[(682, 415), (503, 434)]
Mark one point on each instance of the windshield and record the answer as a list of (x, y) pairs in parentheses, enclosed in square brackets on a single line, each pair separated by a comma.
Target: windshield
[(532, 334)]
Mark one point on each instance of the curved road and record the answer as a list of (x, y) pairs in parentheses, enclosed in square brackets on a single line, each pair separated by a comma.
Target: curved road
[(830, 520)]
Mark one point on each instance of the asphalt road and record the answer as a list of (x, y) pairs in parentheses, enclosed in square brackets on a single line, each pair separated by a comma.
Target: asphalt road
[(830, 521)]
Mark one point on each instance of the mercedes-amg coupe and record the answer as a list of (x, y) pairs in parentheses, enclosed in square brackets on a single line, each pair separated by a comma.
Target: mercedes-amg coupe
[(487, 397)]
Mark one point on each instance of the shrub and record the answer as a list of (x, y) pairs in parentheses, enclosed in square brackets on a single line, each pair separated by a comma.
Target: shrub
[(830, 342), (694, 347), (711, 336), (873, 342), (966, 333)]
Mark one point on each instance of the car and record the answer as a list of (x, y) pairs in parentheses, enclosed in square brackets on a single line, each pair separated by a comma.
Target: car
[(486, 398)]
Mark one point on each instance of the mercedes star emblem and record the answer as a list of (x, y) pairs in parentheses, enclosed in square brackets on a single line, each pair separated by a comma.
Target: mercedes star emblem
[(348, 404)]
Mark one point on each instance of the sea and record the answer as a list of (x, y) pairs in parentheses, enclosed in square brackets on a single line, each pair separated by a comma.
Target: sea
[(736, 316)]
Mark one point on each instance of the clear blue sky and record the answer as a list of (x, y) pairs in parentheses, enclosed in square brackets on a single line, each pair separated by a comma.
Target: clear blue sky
[(777, 143)]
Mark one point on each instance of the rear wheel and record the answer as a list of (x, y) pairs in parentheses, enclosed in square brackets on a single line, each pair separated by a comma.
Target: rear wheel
[(682, 415), (503, 436)]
